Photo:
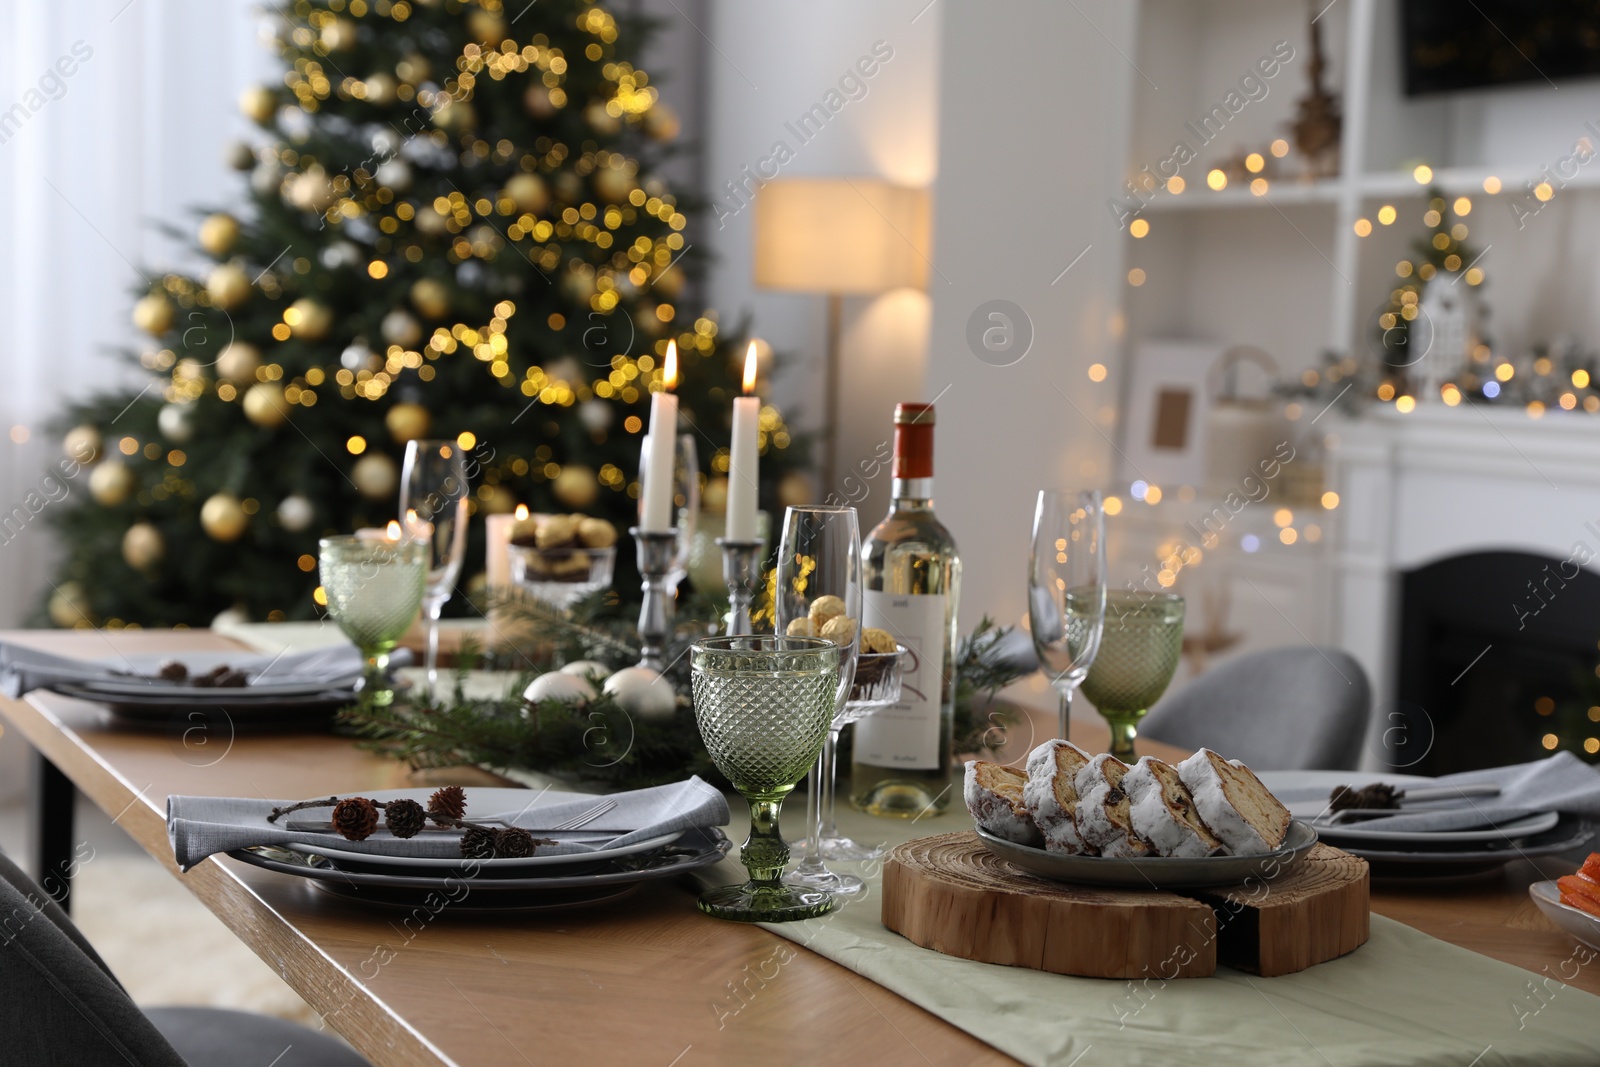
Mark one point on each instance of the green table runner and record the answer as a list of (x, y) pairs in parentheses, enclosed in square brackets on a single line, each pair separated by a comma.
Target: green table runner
[(1404, 998)]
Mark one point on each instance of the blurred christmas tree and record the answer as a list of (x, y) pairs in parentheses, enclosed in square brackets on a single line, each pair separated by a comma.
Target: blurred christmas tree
[(453, 230)]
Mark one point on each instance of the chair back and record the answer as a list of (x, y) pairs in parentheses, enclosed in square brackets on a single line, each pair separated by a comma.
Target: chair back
[(1293, 708)]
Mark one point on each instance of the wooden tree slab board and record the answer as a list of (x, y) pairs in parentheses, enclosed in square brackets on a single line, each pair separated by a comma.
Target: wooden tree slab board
[(952, 895)]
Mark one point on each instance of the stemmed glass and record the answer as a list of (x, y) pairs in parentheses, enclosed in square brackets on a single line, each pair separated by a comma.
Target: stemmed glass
[(819, 556), (374, 590), (433, 512), (879, 678), (1139, 652), (763, 704), (1067, 589)]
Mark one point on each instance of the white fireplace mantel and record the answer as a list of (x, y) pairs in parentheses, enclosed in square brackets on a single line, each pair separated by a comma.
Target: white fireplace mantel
[(1415, 488)]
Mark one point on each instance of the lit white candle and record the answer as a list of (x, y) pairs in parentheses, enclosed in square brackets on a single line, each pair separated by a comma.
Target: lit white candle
[(660, 449), (497, 558), (744, 458), (390, 532)]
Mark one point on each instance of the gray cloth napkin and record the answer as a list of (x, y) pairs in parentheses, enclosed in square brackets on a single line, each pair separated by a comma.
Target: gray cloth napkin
[(201, 826), (23, 669), (1562, 783)]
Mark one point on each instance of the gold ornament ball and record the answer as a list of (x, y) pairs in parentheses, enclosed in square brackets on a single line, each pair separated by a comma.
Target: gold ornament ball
[(528, 192), (83, 443), (238, 362), (381, 89), (153, 314), (310, 190), (223, 518), (576, 486), (795, 490), (228, 286), (67, 606), (399, 327), (218, 233), (429, 222), (486, 27), (376, 476), (413, 69), (500, 501), (112, 483), (408, 422), (613, 184), (661, 123), (600, 120), (455, 117), (258, 104), (312, 321), (431, 297), (265, 406), (537, 101), (240, 156), (338, 35), (143, 546)]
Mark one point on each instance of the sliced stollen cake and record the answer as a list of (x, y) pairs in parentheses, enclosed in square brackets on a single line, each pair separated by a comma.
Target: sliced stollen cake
[(993, 793), (1240, 811), (1101, 814), (1164, 813), (1051, 794)]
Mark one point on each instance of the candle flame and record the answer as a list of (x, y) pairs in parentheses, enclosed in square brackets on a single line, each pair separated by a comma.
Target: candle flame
[(392, 531), (669, 367), (750, 367), (522, 512)]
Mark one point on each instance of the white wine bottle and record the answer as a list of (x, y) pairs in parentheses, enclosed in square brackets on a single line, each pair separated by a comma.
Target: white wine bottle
[(911, 580)]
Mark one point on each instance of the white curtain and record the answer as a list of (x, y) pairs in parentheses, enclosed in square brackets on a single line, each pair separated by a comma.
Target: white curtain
[(113, 114)]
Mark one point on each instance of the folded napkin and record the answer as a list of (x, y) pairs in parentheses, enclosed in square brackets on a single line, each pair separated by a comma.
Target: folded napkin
[(1562, 783), (23, 669), (202, 826)]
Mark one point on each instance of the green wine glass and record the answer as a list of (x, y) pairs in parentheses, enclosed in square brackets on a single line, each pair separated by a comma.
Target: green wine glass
[(1139, 652), (764, 704), (374, 589)]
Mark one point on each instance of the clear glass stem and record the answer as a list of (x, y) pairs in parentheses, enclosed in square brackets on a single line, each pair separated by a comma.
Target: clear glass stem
[(434, 607), (1124, 728), (1064, 730), (375, 688), (764, 853), (811, 852), (830, 774)]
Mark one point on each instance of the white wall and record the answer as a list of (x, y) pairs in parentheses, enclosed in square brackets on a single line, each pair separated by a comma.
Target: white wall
[(769, 63), (1023, 183)]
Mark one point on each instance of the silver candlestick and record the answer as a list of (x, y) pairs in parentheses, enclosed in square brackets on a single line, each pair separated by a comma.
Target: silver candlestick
[(741, 569), (657, 549)]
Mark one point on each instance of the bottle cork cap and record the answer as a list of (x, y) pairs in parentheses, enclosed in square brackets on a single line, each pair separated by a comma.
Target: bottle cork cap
[(913, 441)]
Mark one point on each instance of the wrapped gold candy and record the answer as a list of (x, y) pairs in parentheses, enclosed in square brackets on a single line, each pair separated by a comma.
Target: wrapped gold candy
[(876, 640), (841, 630), (824, 609), (801, 627)]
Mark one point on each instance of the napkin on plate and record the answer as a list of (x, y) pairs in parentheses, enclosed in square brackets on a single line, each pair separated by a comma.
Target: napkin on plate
[(1561, 783), (201, 826), (23, 669)]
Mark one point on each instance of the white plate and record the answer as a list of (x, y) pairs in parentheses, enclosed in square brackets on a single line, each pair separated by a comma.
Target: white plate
[(1154, 872), (1575, 921), (159, 688), (1305, 794), (503, 803)]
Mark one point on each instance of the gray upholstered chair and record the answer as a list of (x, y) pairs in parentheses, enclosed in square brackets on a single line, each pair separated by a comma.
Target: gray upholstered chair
[(59, 1004), (1290, 708)]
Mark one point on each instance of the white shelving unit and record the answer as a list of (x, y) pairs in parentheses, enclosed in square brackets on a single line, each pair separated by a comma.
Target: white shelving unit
[(1286, 271)]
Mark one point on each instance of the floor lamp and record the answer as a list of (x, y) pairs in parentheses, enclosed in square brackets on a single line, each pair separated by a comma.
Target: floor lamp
[(840, 236)]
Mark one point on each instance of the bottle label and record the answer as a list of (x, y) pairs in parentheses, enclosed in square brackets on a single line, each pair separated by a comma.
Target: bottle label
[(906, 734)]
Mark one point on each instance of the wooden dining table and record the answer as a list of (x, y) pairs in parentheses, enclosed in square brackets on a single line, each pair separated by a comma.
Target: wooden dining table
[(647, 980)]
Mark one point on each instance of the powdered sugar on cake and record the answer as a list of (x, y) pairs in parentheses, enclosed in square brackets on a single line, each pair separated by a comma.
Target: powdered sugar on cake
[(1153, 794), (1049, 783), (1101, 815), (999, 811)]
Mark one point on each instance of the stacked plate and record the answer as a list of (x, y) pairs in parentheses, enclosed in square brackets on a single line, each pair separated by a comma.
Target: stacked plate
[(275, 698), (533, 883), (1417, 853)]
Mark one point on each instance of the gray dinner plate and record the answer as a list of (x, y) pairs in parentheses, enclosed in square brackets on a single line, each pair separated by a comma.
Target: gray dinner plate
[(1155, 872), (1568, 834)]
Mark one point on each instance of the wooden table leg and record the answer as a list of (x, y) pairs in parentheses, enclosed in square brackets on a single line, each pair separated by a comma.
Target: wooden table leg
[(53, 798)]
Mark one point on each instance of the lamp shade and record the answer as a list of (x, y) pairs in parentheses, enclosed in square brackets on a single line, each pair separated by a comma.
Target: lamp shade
[(841, 235)]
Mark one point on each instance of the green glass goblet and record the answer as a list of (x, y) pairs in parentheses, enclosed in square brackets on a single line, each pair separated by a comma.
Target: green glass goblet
[(1139, 652), (764, 704), (374, 590)]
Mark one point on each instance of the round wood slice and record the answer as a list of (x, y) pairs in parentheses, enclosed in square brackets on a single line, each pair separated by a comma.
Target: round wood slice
[(951, 894)]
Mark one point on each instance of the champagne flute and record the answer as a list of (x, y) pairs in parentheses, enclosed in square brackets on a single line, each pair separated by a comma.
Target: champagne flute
[(1139, 651), (763, 704), (1067, 589), (374, 590), (819, 556), (433, 512)]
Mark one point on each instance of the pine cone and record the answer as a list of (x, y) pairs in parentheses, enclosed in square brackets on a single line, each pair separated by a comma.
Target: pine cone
[(355, 818), (478, 843), (404, 818), (447, 803), (513, 843)]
